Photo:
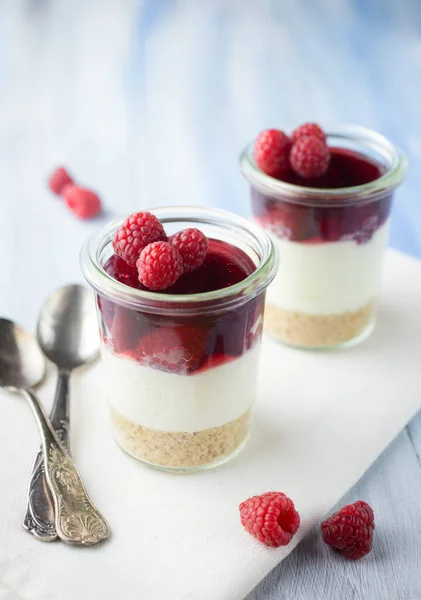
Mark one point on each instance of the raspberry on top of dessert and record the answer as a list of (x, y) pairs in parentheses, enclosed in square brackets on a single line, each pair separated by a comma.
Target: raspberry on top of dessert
[(188, 263), (309, 162)]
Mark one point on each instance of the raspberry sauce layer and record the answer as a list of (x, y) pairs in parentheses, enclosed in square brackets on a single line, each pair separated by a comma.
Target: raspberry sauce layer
[(178, 344), (314, 224), (225, 265)]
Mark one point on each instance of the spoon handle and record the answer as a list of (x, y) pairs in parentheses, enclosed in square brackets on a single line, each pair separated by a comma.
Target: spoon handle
[(39, 519), (60, 411), (77, 519)]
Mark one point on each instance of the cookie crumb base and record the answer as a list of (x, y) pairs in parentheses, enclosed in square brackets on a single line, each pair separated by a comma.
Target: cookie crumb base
[(180, 450), (319, 331)]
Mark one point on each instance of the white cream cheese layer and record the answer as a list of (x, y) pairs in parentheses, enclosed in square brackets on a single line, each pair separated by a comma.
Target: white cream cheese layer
[(191, 403), (329, 278)]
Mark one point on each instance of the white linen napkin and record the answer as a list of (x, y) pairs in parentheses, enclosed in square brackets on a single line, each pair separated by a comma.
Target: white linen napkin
[(320, 420)]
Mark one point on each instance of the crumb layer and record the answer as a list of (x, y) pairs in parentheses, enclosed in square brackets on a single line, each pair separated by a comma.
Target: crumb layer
[(179, 449), (316, 331)]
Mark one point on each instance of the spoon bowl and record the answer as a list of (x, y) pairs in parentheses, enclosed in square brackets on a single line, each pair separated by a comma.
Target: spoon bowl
[(22, 364), (67, 327)]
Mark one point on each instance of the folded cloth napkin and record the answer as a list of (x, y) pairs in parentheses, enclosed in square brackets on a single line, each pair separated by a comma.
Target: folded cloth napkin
[(320, 420)]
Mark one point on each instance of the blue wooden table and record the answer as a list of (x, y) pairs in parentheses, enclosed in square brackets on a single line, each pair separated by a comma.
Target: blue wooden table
[(150, 102)]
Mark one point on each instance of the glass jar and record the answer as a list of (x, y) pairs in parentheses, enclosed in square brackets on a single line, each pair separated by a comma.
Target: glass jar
[(181, 370), (331, 240)]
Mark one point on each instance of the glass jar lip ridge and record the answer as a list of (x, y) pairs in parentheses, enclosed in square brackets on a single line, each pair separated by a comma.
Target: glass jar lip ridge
[(327, 196), (155, 302)]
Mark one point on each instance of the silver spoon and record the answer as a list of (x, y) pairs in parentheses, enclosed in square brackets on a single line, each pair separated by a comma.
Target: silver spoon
[(68, 335), (22, 366)]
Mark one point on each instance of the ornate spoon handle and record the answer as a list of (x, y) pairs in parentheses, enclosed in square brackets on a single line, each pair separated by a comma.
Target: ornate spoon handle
[(40, 515), (76, 518)]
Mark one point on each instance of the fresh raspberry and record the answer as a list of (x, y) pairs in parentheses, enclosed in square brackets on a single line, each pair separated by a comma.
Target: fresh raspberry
[(271, 518), (58, 180), (271, 151), (350, 530), (84, 203), (137, 231), (309, 157), (308, 129), (159, 266), (192, 244), (179, 350)]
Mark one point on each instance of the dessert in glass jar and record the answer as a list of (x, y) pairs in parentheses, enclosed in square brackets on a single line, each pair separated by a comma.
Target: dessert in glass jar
[(326, 199), (180, 317)]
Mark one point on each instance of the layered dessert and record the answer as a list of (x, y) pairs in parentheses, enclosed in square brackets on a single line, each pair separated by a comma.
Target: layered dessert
[(330, 234), (181, 380)]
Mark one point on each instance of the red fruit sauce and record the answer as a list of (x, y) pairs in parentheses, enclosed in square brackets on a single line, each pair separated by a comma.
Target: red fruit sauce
[(314, 224), (179, 344)]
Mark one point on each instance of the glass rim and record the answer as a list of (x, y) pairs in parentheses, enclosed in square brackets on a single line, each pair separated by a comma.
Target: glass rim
[(346, 195), (159, 303)]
